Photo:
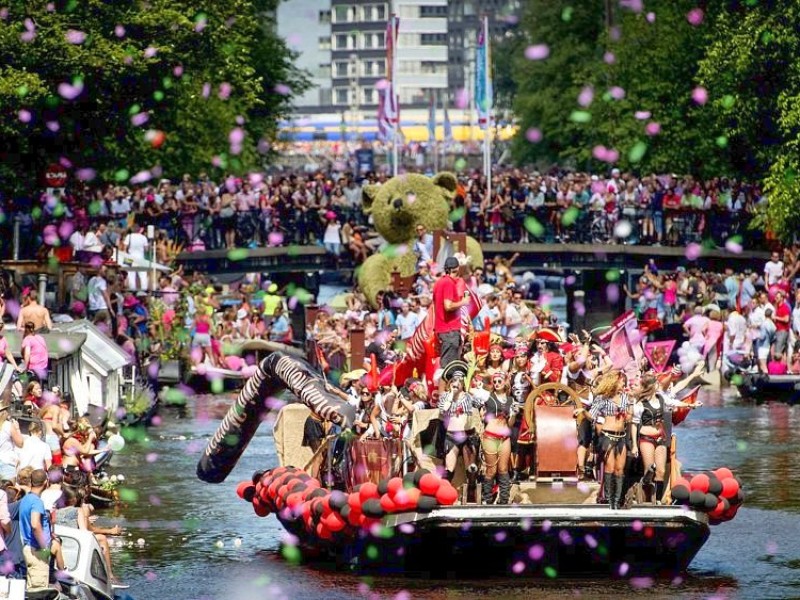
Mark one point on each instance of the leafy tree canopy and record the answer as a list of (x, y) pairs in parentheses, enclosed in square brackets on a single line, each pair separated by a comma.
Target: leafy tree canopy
[(120, 89)]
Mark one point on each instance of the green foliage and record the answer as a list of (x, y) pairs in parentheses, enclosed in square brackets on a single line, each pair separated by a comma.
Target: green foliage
[(156, 57)]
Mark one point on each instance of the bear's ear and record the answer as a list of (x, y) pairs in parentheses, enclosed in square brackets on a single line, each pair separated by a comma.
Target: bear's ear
[(368, 195), (447, 181)]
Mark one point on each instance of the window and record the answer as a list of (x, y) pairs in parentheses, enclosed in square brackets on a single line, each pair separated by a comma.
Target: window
[(325, 97), (324, 71), (373, 68), (341, 68), (374, 12), (325, 17), (71, 549), (433, 39), (344, 14), (374, 41), (345, 41), (324, 43), (97, 567), (341, 96), (369, 96), (432, 11)]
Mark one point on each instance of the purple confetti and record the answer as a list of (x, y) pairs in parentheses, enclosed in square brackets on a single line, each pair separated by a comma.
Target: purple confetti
[(150, 52), (733, 246), (178, 71), (224, 91), (236, 136), (693, 251), (590, 540), (119, 31), (652, 128), (617, 93), (533, 135), (695, 16), (283, 89), (73, 36), (518, 567), (612, 292), (536, 552), (141, 177), (462, 98), (24, 115), (623, 569), (642, 115), (206, 90), (53, 126), (641, 583), (651, 17), (87, 174), (140, 119), (609, 58), (700, 95), (537, 52), (69, 91), (586, 96)]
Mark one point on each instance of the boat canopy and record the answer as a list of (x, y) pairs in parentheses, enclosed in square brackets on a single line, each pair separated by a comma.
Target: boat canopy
[(105, 355)]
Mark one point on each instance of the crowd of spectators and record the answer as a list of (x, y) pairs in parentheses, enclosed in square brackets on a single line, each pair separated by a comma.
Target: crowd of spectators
[(326, 209)]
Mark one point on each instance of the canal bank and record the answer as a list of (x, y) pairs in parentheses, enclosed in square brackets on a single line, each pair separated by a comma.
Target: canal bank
[(201, 541)]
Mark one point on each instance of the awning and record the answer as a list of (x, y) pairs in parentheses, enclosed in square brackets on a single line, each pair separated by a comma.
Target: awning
[(129, 262)]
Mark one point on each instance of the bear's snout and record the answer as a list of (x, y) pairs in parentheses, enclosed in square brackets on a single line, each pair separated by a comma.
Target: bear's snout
[(398, 203)]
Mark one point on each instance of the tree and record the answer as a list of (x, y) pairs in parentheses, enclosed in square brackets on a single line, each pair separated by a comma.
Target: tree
[(120, 88)]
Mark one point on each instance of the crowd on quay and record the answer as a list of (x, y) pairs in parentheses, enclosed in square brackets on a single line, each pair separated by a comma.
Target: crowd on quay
[(326, 209)]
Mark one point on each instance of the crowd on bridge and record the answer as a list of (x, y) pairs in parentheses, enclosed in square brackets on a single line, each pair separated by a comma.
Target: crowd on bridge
[(326, 209)]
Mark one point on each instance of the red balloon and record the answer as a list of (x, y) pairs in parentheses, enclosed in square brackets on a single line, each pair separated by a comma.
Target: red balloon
[(718, 510), (334, 522), (368, 490), (354, 518), (243, 485), (294, 500), (429, 483), (723, 473), (700, 483), (354, 501), (388, 504), (446, 494), (730, 488), (413, 498), (395, 485), (401, 500), (681, 481), (730, 513), (260, 509)]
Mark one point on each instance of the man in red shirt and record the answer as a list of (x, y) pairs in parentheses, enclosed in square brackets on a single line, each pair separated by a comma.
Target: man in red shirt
[(783, 316), (447, 303)]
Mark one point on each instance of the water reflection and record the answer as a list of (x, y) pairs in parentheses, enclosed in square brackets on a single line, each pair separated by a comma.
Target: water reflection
[(201, 541)]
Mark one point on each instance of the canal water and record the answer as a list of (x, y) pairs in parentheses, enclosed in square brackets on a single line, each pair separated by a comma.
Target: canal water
[(191, 540)]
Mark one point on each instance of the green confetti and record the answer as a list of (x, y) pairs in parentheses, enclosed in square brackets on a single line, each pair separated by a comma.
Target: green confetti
[(789, 176), (22, 90), (550, 572), (461, 164), (216, 386), (566, 14), (128, 494), (158, 95), (36, 213), (134, 109), (372, 552), (71, 5), (767, 37), (122, 175), (60, 210), (384, 532), (607, 97), (292, 554), (741, 446), (637, 152), (722, 141), (95, 207), (238, 254), (737, 379), (728, 101), (293, 250), (533, 226), (167, 82), (52, 101), (570, 216), (612, 275), (174, 396), (580, 116)]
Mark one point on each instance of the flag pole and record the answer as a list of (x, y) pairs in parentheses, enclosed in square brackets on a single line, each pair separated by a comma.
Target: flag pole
[(395, 97), (487, 141)]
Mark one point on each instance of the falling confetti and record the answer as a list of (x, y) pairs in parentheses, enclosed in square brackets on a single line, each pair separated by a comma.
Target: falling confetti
[(700, 95), (695, 16), (580, 116), (537, 52), (533, 135), (73, 36), (586, 96)]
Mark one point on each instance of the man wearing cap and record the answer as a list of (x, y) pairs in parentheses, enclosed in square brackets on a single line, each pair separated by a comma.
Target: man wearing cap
[(447, 305), (37, 542)]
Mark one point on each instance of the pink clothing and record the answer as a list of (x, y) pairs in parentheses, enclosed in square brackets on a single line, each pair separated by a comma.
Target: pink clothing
[(696, 326), (3, 349), (671, 293), (202, 326), (713, 335), (38, 354)]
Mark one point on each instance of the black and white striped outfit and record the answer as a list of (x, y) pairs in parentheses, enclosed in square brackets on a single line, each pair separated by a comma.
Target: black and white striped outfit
[(606, 407)]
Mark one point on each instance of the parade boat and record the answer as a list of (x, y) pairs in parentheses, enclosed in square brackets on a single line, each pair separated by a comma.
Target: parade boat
[(760, 387), (385, 509)]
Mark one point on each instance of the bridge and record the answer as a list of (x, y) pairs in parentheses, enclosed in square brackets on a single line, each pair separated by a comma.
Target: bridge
[(280, 262)]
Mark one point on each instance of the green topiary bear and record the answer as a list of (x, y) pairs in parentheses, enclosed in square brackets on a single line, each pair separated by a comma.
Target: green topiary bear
[(397, 207)]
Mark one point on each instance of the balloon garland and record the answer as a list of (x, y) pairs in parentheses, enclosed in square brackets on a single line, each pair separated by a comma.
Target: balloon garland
[(717, 493), (304, 507)]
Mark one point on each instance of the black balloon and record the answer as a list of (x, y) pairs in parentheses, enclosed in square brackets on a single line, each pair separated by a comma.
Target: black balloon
[(697, 499), (383, 486), (372, 508), (257, 476), (426, 503), (249, 493), (680, 493), (418, 475), (345, 512), (317, 509), (408, 480), (317, 493), (714, 485), (297, 487), (711, 501), (337, 500)]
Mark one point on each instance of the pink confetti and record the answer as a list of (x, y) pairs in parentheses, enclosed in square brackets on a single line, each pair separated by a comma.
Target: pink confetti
[(236, 149), (141, 177), (263, 146), (73, 36), (150, 52), (636, 6), (224, 91), (615, 33), (533, 135), (200, 25), (240, 120), (236, 136), (69, 91), (216, 161), (178, 71), (283, 89), (651, 17), (24, 115), (586, 96), (206, 90), (140, 119), (641, 583), (693, 251), (53, 126), (65, 162), (87, 175), (151, 457), (652, 128), (275, 238), (695, 16), (119, 31), (462, 98), (66, 229), (3, 13), (608, 155), (537, 52), (623, 569), (27, 36), (51, 7), (642, 115), (733, 247), (609, 58), (536, 552), (518, 567), (580, 308), (700, 95), (617, 93), (612, 292)]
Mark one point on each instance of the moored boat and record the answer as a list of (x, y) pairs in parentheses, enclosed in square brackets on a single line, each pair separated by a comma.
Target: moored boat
[(761, 387)]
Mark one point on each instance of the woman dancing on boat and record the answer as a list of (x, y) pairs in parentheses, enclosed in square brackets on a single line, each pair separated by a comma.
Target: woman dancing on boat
[(523, 433), (649, 432), (611, 412), (498, 413), (455, 408), (495, 363)]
